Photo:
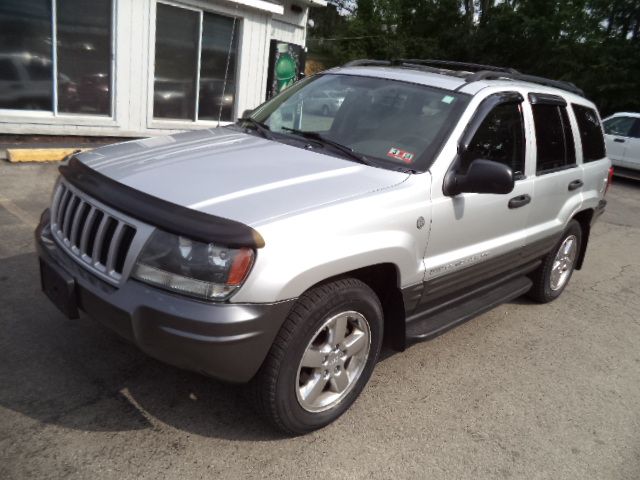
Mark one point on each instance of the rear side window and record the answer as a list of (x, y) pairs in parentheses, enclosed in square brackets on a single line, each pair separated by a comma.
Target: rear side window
[(554, 140), (590, 133)]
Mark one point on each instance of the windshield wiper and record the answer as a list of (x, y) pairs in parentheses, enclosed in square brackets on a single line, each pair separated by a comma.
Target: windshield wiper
[(260, 127), (327, 142)]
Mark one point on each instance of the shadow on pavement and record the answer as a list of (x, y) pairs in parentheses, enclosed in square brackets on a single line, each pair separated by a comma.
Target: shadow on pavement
[(78, 374)]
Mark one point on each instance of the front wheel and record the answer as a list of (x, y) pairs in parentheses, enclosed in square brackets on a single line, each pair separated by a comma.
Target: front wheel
[(322, 357), (552, 276)]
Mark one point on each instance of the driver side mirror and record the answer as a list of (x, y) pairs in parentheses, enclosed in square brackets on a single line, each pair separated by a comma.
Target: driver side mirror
[(483, 176)]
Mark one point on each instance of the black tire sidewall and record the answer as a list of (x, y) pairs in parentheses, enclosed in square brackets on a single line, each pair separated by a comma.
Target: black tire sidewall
[(357, 298), (572, 229)]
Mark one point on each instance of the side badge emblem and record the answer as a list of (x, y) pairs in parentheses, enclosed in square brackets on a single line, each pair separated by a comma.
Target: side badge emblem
[(420, 222)]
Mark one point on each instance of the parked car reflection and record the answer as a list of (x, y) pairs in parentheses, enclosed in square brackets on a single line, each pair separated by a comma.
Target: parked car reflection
[(173, 98), (214, 94), (25, 81), (324, 102)]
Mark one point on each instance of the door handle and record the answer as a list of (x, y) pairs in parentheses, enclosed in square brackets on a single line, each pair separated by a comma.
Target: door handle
[(619, 140), (519, 201), (575, 185)]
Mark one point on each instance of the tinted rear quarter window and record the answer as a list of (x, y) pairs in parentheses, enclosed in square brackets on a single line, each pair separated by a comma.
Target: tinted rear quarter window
[(554, 140), (590, 133)]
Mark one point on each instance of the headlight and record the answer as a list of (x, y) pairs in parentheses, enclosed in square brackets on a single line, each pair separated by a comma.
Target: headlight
[(202, 270)]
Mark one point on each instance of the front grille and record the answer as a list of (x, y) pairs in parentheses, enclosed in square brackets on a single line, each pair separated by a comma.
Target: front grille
[(100, 240)]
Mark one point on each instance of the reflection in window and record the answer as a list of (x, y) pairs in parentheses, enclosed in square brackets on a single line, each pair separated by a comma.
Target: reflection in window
[(178, 50), (500, 138), (84, 46), (176, 62), (25, 55), (219, 45)]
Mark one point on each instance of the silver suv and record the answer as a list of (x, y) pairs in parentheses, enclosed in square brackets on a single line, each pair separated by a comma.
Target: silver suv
[(282, 250)]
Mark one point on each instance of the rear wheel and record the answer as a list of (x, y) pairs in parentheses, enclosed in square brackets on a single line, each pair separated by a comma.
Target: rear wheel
[(551, 278), (322, 357)]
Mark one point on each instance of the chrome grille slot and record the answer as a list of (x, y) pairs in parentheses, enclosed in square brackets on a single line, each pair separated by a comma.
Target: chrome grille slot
[(92, 235)]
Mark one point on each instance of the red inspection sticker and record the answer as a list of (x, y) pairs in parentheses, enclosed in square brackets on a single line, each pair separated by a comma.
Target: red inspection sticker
[(402, 155)]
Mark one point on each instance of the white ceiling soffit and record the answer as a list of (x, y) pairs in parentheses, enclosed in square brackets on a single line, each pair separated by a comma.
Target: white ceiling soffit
[(262, 5), (314, 3)]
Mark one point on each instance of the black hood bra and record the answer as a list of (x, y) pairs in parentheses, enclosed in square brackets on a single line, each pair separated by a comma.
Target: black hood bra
[(168, 216)]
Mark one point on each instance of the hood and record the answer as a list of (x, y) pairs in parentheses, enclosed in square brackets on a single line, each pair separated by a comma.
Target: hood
[(235, 175)]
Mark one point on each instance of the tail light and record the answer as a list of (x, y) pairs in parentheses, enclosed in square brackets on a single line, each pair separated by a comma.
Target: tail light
[(609, 180)]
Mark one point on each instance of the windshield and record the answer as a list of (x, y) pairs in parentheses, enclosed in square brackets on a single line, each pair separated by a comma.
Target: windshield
[(389, 123)]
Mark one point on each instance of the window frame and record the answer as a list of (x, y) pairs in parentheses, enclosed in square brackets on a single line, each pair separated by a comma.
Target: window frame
[(80, 118), (523, 135), (575, 109), (567, 130), (177, 123), (482, 111)]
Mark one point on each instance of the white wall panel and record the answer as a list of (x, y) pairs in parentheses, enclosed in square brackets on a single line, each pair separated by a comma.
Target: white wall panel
[(134, 35)]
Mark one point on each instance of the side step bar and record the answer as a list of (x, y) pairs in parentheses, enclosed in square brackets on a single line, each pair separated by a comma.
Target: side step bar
[(433, 325)]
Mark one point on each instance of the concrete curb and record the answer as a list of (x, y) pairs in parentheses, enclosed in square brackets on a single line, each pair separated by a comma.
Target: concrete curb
[(40, 154)]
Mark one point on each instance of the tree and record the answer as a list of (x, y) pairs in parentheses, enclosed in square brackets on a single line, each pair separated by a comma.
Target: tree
[(594, 43)]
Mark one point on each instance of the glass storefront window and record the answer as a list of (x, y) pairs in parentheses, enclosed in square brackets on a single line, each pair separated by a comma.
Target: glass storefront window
[(178, 48), (84, 51), (82, 54), (176, 62), (217, 68), (26, 68)]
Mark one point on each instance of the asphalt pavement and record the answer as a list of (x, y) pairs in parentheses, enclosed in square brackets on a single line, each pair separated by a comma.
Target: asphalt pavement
[(525, 391)]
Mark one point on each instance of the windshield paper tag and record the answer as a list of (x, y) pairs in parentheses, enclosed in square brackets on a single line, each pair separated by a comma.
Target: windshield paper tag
[(402, 155)]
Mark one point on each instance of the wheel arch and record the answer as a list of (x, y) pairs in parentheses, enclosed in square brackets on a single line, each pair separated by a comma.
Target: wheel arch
[(584, 218), (384, 280)]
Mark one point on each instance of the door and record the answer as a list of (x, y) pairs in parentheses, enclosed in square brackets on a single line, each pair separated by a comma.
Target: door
[(632, 152), (617, 131), (476, 237), (558, 182)]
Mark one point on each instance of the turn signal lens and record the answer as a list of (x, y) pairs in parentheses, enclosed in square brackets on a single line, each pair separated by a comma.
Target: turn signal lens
[(240, 266)]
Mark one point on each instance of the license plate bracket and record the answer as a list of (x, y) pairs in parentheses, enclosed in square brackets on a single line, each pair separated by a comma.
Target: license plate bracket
[(60, 288)]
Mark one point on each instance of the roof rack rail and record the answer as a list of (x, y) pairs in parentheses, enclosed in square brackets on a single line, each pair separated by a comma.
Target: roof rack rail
[(451, 65), (515, 75), (368, 63), (479, 71), (424, 65)]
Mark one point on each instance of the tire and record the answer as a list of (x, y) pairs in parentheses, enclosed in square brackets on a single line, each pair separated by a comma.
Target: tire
[(283, 388), (548, 284)]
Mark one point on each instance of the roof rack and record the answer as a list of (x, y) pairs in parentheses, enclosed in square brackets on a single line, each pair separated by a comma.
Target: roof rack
[(523, 77), (451, 65), (368, 63), (472, 72)]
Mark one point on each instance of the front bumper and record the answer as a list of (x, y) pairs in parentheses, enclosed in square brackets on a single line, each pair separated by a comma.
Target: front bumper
[(225, 340)]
